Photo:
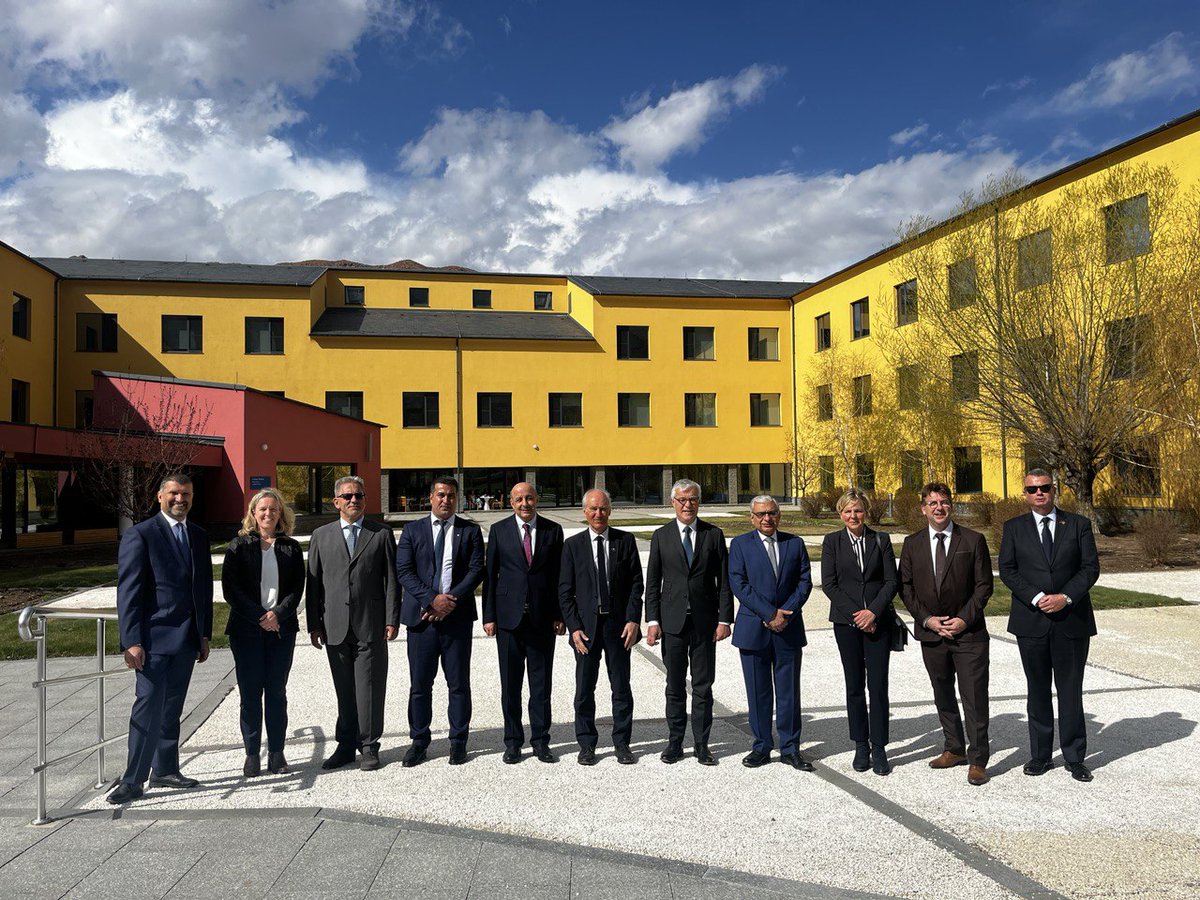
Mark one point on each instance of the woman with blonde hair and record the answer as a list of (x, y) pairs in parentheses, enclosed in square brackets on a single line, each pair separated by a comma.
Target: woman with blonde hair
[(263, 580), (858, 575)]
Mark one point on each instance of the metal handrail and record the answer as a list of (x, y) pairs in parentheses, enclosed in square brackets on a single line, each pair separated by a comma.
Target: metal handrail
[(31, 626)]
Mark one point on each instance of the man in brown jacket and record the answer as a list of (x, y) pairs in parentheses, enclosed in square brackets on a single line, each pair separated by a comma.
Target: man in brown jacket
[(945, 581)]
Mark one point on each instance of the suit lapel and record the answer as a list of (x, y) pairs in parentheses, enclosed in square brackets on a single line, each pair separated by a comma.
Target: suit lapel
[(364, 537), (955, 540), (1062, 530), (870, 546)]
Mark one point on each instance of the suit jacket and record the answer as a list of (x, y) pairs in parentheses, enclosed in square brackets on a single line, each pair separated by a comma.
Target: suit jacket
[(355, 597), (965, 583), (1073, 568), (510, 584), (164, 599), (672, 586), (241, 577), (415, 567), (578, 592), (761, 594), (851, 589)]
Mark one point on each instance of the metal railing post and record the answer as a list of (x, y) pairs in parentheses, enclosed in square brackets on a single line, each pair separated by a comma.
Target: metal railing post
[(40, 643), (100, 635)]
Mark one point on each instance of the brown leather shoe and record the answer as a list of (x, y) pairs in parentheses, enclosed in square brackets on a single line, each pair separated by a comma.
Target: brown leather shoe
[(977, 775), (947, 760)]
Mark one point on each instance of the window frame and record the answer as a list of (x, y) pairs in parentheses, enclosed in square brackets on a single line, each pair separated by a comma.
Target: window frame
[(964, 458), (1030, 262), (824, 334), (22, 312), (481, 298), (269, 320), (626, 332), (424, 396), (354, 290), (863, 402), (545, 299), (964, 376), (196, 339), (860, 318), (479, 409), (1118, 247), (414, 292), (362, 411), (958, 298), (908, 303), (561, 397), (104, 321), (692, 401), (695, 333), (627, 398), (761, 402), (754, 341)]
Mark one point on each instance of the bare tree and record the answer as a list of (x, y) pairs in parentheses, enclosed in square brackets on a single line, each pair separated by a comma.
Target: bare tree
[(805, 469)]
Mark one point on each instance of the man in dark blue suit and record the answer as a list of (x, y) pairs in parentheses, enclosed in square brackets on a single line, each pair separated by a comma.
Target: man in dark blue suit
[(164, 609), (520, 610), (439, 561), (769, 575)]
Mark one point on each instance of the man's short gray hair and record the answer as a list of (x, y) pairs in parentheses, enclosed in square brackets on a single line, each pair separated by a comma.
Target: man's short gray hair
[(601, 491), (348, 479), (685, 484), (765, 498)]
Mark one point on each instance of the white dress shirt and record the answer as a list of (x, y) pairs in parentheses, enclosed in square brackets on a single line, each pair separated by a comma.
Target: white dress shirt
[(269, 583), (1037, 524), (933, 532), (521, 523)]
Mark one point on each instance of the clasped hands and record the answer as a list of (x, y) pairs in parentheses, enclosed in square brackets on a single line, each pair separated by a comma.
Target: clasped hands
[(439, 607), (949, 627), (864, 621), (1052, 603), (779, 621)]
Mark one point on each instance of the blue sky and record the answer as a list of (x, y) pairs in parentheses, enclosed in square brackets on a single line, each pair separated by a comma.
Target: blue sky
[(772, 140)]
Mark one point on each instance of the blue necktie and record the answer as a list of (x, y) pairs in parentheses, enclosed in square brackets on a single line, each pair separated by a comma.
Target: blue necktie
[(181, 536), (439, 551), (1047, 540), (687, 544), (352, 538)]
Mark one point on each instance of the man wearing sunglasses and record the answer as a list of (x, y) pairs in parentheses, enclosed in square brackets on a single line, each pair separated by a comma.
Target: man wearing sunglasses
[(1049, 561), (353, 609)]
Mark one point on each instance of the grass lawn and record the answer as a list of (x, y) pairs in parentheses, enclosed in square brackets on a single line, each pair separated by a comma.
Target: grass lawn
[(790, 521), (74, 637), (1102, 598), (65, 578)]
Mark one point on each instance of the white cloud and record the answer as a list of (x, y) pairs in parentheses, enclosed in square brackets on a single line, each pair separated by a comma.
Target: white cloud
[(1016, 85), (1162, 69), (908, 135)]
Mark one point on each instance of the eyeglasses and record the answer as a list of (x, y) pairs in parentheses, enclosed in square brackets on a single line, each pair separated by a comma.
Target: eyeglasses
[(769, 514), (1039, 488), (687, 501), (349, 497)]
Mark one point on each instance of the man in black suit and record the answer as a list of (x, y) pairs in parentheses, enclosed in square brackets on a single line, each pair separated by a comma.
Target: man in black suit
[(439, 561), (689, 605), (520, 610), (600, 594), (1049, 561), (164, 609)]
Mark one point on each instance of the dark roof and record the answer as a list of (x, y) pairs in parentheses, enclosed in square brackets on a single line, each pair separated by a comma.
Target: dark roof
[(688, 287), (196, 272), (449, 323)]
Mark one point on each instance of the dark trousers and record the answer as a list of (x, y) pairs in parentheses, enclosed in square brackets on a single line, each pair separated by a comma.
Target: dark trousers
[(263, 662), (968, 662), (606, 643), (699, 651), (865, 661), (1061, 659), (359, 670), (426, 646), (159, 691), (773, 674), (528, 647)]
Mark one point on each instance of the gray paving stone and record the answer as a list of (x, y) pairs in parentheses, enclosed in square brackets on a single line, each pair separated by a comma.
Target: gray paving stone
[(221, 874), (148, 873), (438, 866), (272, 835), (99, 833), (598, 879), (339, 858), (48, 872), (515, 872), (690, 887)]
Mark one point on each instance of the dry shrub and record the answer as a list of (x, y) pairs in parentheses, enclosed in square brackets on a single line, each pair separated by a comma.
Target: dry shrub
[(1004, 509), (1157, 535), (878, 507), (1109, 504), (906, 510), (810, 505), (985, 509), (830, 498), (1186, 504)]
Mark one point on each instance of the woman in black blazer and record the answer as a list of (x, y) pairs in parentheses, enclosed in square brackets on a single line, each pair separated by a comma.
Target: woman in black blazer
[(858, 575), (263, 579)]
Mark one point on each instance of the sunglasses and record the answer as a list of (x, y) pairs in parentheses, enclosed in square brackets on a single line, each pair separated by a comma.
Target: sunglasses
[(349, 497), (1039, 488)]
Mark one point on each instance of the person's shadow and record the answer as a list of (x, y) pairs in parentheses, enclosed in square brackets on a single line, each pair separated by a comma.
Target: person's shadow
[(1125, 737)]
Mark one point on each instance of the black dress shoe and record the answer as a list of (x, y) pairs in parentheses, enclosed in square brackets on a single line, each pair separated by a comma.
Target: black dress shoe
[(862, 756), (704, 756), (512, 756), (625, 756), (124, 793), (673, 754), (587, 756), (458, 754), (1079, 771), (252, 766), (369, 761), (1037, 767), (174, 780), (342, 756), (879, 761), (542, 752), (277, 764), (796, 761), (414, 757), (754, 759)]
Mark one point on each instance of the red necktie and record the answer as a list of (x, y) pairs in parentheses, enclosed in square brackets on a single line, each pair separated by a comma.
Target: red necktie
[(527, 544)]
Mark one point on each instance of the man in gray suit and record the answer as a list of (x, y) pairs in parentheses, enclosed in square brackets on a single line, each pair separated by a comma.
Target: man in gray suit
[(353, 608)]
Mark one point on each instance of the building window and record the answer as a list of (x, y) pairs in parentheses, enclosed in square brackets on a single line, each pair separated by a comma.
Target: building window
[(824, 402), (633, 410), (494, 410), (566, 410), (908, 386), (962, 286), (182, 334), (1035, 257), (862, 395), (968, 470), (700, 410), (354, 295), (825, 468), (764, 343), (418, 296), (906, 303), (264, 336), (1138, 468), (20, 320), (864, 471), (84, 409), (20, 402), (633, 342), (824, 333), (1127, 347), (764, 477), (96, 332), (347, 403), (543, 300), (698, 343), (1127, 229), (964, 377), (420, 409), (860, 314), (481, 299), (764, 410), (912, 470), (744, 478)]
